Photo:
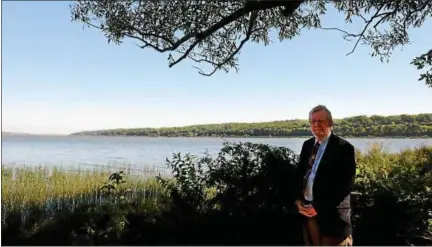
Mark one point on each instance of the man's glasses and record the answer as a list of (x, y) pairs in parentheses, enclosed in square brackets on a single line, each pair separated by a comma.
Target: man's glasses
[(319, 121)]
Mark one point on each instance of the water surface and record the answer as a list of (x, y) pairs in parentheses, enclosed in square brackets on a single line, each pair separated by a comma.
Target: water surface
[(90, 151)]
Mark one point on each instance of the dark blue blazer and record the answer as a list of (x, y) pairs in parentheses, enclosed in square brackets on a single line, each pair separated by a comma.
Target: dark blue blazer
[(334, 181)]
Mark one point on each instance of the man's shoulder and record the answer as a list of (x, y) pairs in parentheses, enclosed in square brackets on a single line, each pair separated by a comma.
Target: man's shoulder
[(309, 141), (307, 144), (342, 142)]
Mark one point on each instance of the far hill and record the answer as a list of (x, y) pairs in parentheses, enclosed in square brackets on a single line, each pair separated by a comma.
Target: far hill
[(404, 125), (5, 133)]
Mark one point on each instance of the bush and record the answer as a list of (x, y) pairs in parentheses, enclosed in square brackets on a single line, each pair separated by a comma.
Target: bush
[(244, 196), (252, 193), (394, 205)]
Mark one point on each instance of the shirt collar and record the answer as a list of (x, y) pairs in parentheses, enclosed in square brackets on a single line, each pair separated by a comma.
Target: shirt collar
[(325, 139)]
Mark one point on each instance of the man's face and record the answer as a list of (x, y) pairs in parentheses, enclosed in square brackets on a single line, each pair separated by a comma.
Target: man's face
[(319, 124)]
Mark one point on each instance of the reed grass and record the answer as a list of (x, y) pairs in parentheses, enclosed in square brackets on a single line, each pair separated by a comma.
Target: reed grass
[(50, 189)]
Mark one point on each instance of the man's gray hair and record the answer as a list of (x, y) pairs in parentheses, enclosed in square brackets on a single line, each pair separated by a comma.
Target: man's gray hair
[(322, 108)]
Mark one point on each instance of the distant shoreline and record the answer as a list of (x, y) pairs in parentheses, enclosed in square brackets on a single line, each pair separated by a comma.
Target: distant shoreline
[(418, 126), (5, 133), (265, 137), (397, 126), (219, 137)]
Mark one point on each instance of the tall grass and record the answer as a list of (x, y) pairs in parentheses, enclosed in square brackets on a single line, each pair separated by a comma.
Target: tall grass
[(52, 189)]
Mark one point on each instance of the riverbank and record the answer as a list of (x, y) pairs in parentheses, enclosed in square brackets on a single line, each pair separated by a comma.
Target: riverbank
[(42, 206)]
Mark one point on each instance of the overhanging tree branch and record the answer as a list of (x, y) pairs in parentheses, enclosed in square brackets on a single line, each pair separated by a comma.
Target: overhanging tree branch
[(191, 39), (398, 14), (368, 22), (424, 63), (248, 34), (249, 6), (214, 32)]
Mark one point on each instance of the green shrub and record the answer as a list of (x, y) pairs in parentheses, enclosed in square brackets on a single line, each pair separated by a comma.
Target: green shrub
[(244, 195), (394, 205)]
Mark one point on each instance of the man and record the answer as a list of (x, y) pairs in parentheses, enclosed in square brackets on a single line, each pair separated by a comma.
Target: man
[(325, 179)]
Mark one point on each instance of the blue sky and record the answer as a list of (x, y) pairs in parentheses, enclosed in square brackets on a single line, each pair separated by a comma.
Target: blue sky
[(58, 78)]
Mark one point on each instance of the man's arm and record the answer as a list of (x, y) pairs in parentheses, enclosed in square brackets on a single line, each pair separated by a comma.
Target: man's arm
[(343, 182), (300, 171)]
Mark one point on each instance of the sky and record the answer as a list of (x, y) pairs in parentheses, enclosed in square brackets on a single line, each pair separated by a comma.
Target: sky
[(58, 78)]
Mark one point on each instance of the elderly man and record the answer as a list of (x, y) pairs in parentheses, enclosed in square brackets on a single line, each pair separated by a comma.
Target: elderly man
[(325, 178)]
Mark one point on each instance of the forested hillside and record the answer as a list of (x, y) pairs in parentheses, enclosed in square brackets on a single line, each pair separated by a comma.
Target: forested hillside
[(358, 126)]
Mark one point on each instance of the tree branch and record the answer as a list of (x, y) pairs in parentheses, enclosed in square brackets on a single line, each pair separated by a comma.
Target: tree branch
[(215, 32), (247, 8), (210, 28), (250, 6), (248, 34), (368, 22), (365, 28)]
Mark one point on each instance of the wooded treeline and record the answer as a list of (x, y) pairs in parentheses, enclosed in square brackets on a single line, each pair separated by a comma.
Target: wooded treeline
[(404, 125)]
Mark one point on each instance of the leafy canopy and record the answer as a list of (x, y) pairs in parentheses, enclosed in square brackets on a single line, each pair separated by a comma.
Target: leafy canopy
[(212, 33)]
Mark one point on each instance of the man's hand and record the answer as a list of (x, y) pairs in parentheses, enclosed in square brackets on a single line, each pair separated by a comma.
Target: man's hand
[(308, 212)]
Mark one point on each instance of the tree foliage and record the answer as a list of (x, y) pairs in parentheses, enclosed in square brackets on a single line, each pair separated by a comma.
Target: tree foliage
[(212, 33), (422, 63), (358, 126)]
